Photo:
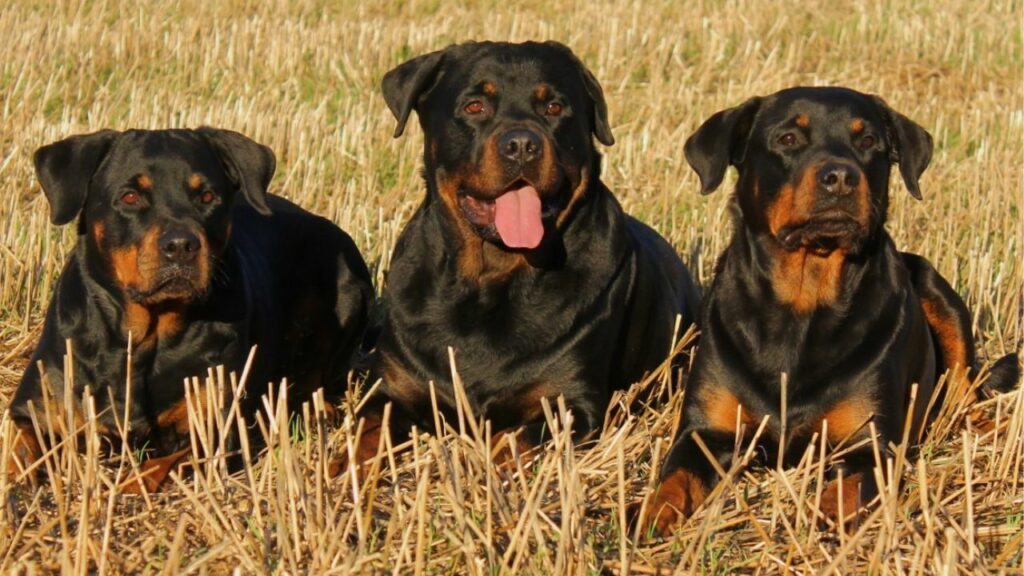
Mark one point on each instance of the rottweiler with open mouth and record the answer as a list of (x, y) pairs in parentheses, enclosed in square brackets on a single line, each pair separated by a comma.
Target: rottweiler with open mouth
[(519, 258)]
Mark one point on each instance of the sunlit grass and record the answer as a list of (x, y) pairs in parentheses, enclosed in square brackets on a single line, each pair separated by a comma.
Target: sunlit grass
[(303, 77)]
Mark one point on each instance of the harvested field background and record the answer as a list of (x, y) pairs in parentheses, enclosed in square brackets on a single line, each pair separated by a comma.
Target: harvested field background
[(303, 77)]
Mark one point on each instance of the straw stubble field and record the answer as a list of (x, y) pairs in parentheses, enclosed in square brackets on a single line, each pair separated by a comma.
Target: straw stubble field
[(303, 77)]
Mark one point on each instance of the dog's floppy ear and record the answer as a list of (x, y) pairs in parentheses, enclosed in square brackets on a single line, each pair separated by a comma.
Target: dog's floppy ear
[(602, 129), (65, 168), (599, 122), (720, 141), (910, 145), (249, 165), (405, 84)]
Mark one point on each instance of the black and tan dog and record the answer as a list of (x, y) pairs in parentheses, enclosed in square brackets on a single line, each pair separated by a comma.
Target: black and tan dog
[(182, 252), (519, 257), (812, 286)]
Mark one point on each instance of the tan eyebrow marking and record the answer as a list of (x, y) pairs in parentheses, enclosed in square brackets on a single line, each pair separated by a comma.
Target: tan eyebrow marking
[(195, 181), (803, 121), (143, 181), (490, 88), (857, 126)]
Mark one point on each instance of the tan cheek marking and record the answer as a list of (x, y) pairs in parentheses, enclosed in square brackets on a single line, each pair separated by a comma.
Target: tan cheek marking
[(547, 170), (203, 259), (477, 261), (577, 195), (806, 192), (469, 259), (863, 200), (803, 121), (99, 232), (781, 211), (149, 257), (801, 279), (793, 203), (491, 175), (487, 177), (125, 265), (132, 264)]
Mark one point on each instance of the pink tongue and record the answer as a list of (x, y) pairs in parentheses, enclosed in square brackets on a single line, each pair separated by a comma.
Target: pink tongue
[(517, 218)]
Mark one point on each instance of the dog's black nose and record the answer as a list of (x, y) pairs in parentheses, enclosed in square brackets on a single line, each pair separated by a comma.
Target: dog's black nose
[(838, 178), (522, 146), (179, 245)]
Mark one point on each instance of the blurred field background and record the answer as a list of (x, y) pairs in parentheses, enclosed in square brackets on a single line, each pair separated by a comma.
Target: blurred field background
[(303, 77)]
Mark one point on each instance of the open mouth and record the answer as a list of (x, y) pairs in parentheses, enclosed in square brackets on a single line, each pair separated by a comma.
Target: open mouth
[(516, 216), (822, 232)]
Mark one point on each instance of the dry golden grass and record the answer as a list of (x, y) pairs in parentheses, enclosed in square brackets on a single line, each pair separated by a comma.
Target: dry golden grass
[(303, 78)]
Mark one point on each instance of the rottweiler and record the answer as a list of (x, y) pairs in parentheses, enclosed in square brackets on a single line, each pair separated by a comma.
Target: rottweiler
[(519, 258), (813, 287), (184, 257)]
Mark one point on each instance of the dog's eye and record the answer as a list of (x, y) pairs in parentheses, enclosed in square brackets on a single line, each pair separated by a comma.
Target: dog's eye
[(474, 107), (867, 142), (207, 197), (130, 197), (554, 109), (787, 139)]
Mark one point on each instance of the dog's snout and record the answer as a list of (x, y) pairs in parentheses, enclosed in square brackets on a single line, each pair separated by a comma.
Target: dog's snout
[(179, 245), (838, 178), (520, 146)]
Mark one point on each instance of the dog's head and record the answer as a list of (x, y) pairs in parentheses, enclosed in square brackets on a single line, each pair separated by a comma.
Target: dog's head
[(154, 207), (508, 133), (813, 164)]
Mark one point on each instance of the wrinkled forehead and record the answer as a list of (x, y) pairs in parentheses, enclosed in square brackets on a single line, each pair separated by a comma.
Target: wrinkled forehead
[(514, 68), (822, 111), (165, 153)]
